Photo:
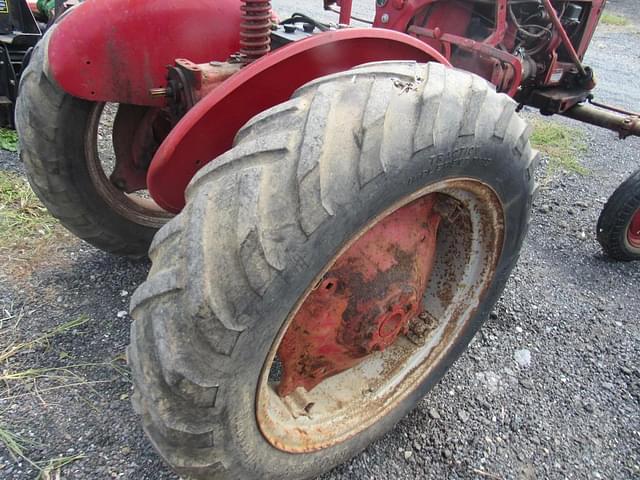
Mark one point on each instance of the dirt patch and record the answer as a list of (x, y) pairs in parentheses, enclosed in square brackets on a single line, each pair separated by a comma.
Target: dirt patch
[(30, 238)]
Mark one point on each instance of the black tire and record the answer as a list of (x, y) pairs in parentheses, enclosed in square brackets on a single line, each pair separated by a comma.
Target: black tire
[(615, 220), (257, 230), (54, 129)]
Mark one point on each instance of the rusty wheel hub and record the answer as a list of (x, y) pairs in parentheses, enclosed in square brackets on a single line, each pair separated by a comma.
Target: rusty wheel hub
[(365, 301), (381, 317), (137, 134), (119, 175)]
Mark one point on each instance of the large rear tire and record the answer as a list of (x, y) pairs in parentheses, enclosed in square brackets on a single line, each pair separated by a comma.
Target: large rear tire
[(265, 221), (59, 147)]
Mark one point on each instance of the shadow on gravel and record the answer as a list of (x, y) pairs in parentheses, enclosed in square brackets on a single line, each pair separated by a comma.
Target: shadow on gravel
[(66, 386)]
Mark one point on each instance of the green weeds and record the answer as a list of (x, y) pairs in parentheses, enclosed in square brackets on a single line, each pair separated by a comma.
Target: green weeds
[(42, 340), (22, 217), (561, 144), (613, 19), (47, 469), (8, 140)]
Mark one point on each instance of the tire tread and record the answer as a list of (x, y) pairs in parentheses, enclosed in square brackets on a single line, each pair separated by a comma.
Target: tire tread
[(254, 206)]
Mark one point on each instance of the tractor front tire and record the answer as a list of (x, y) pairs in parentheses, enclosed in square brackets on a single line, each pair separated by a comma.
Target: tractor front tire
[(618, 229), (265, 220), (58, 146)]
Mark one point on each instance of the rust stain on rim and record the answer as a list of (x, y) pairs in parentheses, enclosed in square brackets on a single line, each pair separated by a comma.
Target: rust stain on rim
[(359, 397)]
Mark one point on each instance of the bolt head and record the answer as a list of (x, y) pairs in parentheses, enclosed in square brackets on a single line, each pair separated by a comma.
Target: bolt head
[(385, 18)]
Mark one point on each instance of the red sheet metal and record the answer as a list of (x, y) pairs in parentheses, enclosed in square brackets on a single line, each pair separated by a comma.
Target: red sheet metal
[(365, 301), (208, 129), (117, 50)]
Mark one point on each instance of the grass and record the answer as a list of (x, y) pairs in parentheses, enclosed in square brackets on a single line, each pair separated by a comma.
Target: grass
[(55, 378), (59, 376), (47, 469), (29, 236), (42, 340), (8, 140), (561, 144), (22, 216), (15, 444), (613, 19), (51, 470)]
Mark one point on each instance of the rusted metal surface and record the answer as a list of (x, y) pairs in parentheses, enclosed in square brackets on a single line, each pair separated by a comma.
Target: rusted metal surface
[(421, 327), (624, 125), (500, 24), (556, 100), (633, 232), (255, 30), (468, 246), (210, 75), (137, 133), (566, 41), (612, 108), (122, 58), (137, 208), (506, 80), (188, 83), (365, 301)]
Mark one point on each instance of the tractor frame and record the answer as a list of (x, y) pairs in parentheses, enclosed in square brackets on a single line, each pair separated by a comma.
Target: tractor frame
[(236, 68)]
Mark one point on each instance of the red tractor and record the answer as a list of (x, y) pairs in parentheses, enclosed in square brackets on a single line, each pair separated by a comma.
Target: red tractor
[(331, 212)]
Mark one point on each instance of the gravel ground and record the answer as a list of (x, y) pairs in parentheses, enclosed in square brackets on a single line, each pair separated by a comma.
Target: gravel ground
[(549, 389)]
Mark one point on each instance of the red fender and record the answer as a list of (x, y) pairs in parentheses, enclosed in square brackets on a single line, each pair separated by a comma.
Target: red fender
[(116, 50), (208, 129)]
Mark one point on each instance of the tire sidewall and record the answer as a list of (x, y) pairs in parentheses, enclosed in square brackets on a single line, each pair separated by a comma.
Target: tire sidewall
[(55, 127), (491, 163), (615, 220)]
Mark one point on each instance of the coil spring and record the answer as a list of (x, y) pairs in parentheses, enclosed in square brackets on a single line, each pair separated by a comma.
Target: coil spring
[(255, 31)]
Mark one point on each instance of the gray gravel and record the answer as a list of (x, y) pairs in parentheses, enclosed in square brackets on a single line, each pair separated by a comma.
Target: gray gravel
[(569, 408)]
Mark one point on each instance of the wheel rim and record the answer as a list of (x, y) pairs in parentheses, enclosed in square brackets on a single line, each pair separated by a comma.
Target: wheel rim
[(633, 231), (467, 250), (137, 207)]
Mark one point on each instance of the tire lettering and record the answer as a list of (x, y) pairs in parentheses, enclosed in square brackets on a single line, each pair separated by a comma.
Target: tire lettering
[(440, 161)]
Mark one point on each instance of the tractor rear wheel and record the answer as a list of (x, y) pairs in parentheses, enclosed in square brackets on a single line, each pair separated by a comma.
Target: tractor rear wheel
[(328, 269), (619, 223), (64, 145)]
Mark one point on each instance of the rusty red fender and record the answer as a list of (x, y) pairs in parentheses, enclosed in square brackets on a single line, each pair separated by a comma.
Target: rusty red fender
[(116, 50), (208, 129)]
